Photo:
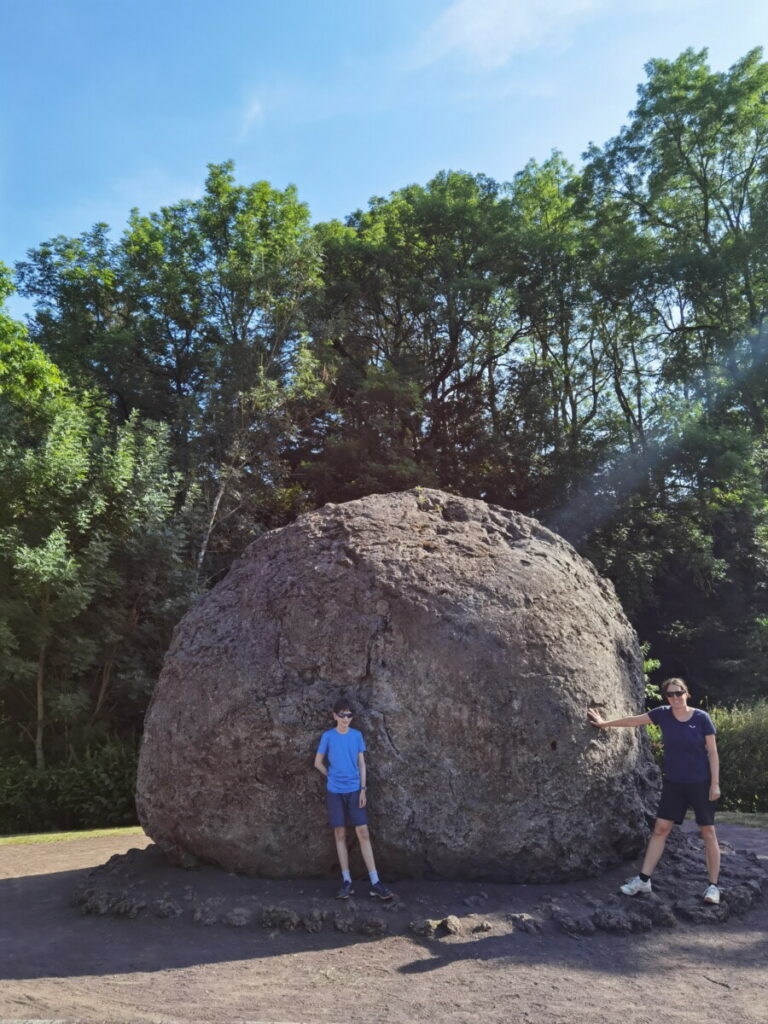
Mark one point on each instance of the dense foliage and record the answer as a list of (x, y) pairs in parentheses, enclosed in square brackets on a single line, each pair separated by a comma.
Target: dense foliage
[(93, 790), (587, 346)]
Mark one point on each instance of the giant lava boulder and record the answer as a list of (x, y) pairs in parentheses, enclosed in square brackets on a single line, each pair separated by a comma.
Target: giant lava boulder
[(470, 641)]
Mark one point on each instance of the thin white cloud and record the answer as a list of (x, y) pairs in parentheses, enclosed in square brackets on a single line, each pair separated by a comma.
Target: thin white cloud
[(253, 112), (486, 33)]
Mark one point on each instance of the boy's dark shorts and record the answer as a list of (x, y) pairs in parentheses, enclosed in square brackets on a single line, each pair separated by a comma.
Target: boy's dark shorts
[(677, 797), (344, 809)]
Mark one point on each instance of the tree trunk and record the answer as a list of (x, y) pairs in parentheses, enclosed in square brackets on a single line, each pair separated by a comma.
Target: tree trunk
[(40, 694), (223, 483), (106, 676)]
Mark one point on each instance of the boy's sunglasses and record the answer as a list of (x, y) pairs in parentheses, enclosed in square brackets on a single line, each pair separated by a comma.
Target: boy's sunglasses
[(343, 714), (676, 693)]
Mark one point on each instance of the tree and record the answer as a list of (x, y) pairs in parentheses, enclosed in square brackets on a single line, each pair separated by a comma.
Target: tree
[(690, 169), (184, 319), (89, 527), (419, 318), (689, 173)]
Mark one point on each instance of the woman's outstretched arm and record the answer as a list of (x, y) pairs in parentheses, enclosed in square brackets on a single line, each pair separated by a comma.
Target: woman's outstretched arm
[(632, 722)]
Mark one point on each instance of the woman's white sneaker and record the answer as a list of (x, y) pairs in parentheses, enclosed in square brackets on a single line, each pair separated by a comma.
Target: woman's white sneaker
[(635, 886), (712, 894)]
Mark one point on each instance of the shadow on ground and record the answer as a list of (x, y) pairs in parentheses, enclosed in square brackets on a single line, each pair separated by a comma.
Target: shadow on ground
[(206, 917)]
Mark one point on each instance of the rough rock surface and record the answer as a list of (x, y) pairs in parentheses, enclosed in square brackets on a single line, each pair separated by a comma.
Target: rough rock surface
[(141, 883), (470, 641)]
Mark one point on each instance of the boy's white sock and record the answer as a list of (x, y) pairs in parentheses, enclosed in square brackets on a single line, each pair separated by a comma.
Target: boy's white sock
[(374, 877), (346, 876)]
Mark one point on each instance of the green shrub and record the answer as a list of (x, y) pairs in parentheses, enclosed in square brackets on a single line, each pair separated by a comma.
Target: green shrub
[(93, 789), (657, 744), (742, 740)]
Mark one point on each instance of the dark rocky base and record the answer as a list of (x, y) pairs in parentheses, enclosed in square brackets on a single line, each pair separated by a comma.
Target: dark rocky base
[(142, 882)]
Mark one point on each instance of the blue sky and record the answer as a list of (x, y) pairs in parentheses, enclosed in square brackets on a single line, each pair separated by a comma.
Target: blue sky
[(110, 104)]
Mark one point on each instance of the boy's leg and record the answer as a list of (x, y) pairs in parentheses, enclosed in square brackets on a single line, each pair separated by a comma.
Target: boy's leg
[(340, 835), (378, 889), (358, 817), (366, 849), (336, 805)]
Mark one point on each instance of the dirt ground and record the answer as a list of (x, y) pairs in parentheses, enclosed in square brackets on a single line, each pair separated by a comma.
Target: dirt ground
[(57, 964)]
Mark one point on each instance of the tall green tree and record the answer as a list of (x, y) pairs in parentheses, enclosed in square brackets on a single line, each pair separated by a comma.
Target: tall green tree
[(418, 313), (690, 168), (689, 172), (191, 314), (91, 546)]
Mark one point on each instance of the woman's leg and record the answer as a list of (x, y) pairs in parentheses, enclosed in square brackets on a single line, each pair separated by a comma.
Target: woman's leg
[(711, 852), (661, 829)]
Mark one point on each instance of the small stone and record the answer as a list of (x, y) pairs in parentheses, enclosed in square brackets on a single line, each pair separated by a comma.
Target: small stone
[(452, 925), (344, 922), (424, 926), (205, 914), (612, 919), (703, 913), (167, 908), (279, 917), (525, 923), (484, 926), (741, 897), (573, 924), (313, 921), (656, 910), (238, 917), (371, 926)]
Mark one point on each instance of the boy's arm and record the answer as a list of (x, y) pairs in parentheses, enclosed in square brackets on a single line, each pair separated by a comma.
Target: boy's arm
[(320, 764), (363, 775)]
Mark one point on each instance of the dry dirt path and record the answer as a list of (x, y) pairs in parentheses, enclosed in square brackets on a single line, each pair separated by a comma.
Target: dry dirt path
[(58, 965)]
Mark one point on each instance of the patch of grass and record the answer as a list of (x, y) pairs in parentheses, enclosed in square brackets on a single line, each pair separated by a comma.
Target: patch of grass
[(59, 837), (759, 820)]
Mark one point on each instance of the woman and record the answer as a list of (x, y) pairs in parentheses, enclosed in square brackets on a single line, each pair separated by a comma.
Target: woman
[(691, 779)]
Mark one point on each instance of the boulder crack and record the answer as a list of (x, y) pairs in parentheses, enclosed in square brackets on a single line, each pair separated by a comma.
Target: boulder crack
[(389, 735)]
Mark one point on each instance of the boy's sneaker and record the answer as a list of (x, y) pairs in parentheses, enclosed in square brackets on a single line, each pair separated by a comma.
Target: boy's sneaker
[(345, 891), (380, 891), (712, 894), (635, 886)]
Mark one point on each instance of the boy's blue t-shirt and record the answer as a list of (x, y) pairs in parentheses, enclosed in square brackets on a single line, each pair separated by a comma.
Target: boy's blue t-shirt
[(685, 753), (342, 749)]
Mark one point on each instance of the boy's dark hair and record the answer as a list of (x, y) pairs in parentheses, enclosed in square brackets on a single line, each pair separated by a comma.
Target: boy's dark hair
[(342, 704)]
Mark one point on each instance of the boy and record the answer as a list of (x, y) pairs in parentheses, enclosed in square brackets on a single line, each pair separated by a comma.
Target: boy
[(346, 796)]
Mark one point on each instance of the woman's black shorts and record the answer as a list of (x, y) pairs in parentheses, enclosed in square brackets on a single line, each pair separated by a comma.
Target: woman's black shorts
[(677, 797)]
